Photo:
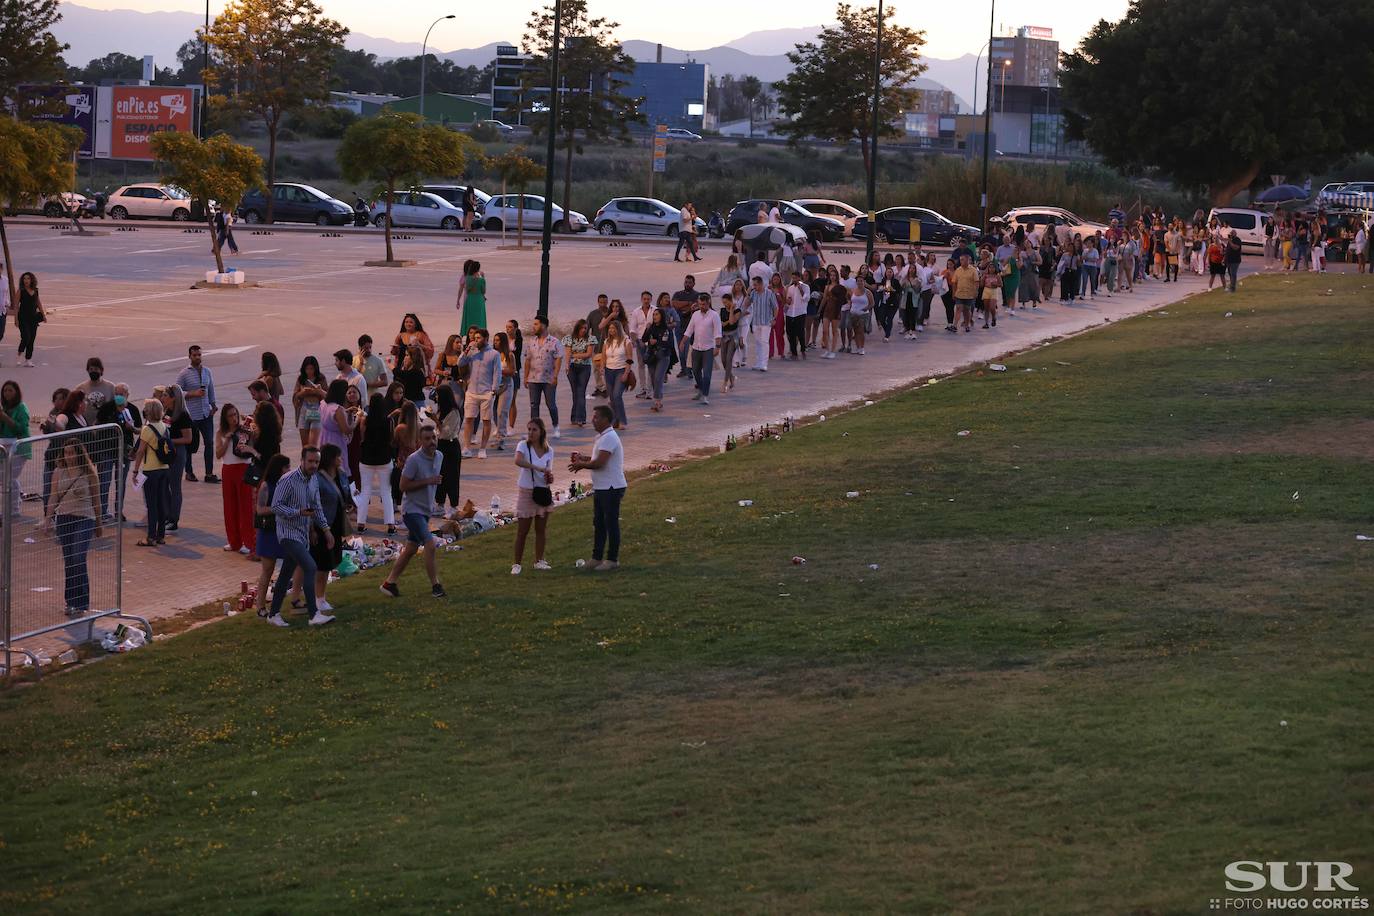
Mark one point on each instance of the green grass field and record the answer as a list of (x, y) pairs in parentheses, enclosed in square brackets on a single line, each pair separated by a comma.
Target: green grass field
[(1063, 690)]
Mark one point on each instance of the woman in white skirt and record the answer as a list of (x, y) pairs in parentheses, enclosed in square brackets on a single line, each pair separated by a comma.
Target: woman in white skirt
[(534, 458)]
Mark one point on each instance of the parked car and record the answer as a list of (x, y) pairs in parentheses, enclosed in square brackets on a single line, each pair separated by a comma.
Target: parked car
[(1249, 224), (746, 212), (835, 209), (504, 210), (682, 133), (453, 193), (647, 215), (1051, 216), (293, 202), (894, 226), (52, 207), (418, 209), (151, 201), (500, 126)]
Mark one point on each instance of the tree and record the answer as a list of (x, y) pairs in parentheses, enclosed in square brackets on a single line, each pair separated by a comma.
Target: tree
[(271, 57), (517, 169), (591, 65), (36, 160), (830, 88), (216, 169), (750, 87), (395, 149), (1123, 86), (29, 53), (190, 60)]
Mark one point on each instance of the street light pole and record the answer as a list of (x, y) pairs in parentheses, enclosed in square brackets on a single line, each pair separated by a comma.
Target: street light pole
[(424, 53), (546, 242), (204, 65), (987, 122), (873, 145)]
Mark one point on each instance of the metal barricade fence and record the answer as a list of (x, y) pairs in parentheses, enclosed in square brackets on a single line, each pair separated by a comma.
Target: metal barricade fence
[(61, 550)]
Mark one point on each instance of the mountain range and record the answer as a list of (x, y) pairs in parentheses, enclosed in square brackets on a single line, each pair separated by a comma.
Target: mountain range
[(94, 33)]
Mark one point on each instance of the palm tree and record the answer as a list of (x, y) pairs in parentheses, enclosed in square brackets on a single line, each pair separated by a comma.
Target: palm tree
[(750, 87)]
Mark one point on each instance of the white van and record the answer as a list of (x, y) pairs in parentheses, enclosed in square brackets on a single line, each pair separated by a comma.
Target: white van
[(1249, 224)]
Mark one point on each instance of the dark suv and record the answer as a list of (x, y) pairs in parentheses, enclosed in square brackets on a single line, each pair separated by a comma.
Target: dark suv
[(746, 212), (295, 203)]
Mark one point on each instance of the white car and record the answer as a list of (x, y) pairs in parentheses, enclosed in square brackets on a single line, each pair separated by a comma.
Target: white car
[(1249, 224), (453, 193), (152, 201), (682, 133), (505, 209), (1051, 216), (835, 209), (642, 215), (417, 209)]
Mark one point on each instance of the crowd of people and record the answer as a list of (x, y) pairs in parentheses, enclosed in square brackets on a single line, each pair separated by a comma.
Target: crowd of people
[(383, 436)]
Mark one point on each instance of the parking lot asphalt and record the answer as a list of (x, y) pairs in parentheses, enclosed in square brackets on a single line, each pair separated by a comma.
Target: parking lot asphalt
[(126, 297)]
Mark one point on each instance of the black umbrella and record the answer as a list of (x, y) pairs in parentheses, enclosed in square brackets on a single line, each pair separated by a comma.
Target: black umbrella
[(1281, 194)]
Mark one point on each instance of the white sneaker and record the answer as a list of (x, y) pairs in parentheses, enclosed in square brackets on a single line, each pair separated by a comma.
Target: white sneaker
[(706, 402), (557, 434), (320, 620), (861, 352), (481, 453), (468, 453), (543, 564), (516, 569), (696, 395), (245, 551), (276, 621), (323, 605)]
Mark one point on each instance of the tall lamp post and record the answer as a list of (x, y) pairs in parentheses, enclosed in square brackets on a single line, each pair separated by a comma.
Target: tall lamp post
[(424, 53), (204, 65), (546, 242), (873, 146), (987, 123)]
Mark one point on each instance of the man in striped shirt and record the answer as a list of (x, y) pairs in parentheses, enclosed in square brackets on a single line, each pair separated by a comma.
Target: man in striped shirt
[(296, 505)]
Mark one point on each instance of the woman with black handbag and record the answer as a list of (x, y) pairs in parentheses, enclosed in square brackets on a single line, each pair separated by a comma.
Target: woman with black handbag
[(534, 458), (234, 449)]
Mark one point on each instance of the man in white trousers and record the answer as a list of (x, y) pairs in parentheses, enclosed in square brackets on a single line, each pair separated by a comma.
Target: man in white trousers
[(761, 308)]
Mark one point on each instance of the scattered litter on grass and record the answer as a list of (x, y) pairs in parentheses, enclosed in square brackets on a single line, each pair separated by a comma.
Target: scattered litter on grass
[(1028, 369), (799, 561), (868, 403), (1283, 722), (872, 565), (1330, 292), (1295, 494), (672, 519), (1363, 537), (784, 594), (907, 493), (255, 791), (997, 367), (30, 541), (965, 432), (694, 745), (580, 563), (1062, 363), (1228, 315), (40, 588), (821, 418), (852, 494), (746, 503), (68, 658), (1163, 313), (604, 643)]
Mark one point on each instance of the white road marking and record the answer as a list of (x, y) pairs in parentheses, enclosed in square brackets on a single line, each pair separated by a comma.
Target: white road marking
[(158, 250), (227, 351)]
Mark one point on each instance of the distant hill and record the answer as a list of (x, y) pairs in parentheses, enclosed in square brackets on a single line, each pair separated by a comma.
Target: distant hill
[(94, 33)]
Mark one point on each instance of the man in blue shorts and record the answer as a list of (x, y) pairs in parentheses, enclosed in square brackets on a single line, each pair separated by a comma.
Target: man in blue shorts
[(418, 480)]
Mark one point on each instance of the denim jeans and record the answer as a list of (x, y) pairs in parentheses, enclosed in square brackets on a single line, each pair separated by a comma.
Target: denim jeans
[(615, 390), (1089, 280), (606, 523), (296, 555), (505, 396), (74, 533), (578, 376), (660, 371), (1231, 271), (703, 361), (549, 393)]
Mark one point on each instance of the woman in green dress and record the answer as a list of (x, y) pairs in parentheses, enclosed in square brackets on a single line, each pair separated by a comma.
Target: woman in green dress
[(472, 294)]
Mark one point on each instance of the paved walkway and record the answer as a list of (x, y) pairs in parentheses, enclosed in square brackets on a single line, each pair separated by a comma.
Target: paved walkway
[(192, 569)]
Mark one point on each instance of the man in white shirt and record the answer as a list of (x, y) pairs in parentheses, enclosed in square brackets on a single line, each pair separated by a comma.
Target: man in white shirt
[(704, 333), (761, 268), (794, 315), (640, 319), (371, 366), (343, 361), (607, 464)]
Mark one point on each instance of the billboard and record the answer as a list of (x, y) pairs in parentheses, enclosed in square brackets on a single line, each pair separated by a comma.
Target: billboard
[(138, 112), (73, 106)]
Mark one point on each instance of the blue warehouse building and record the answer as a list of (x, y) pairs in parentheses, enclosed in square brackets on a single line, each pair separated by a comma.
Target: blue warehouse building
[(674, 94)]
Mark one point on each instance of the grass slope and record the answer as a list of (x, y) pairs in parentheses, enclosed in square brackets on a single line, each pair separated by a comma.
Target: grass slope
[(1060, 692)]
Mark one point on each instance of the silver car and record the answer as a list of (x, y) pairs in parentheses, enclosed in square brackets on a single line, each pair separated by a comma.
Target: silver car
[(640, 215), (419, 209), (507, 209)]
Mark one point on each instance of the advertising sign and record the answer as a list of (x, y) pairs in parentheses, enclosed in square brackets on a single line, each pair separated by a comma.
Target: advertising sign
[(73, 106), (661, 148), (138, 112)]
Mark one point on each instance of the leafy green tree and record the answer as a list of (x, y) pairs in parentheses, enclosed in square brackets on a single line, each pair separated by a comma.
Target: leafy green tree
[(592, 67), (36, 160), (394, 149), (272, 57), (830, 89), (1129, 87), (517, 170), (29, 52), (216, 169)]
